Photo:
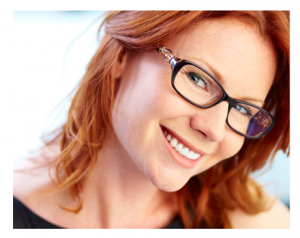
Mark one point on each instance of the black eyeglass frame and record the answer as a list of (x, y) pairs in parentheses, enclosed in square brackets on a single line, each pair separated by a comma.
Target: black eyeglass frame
[(177, 63)]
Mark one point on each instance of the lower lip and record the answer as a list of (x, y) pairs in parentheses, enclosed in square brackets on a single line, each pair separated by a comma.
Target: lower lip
[(187, 163)]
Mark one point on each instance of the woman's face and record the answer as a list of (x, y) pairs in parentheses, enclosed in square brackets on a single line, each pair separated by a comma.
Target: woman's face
[(146, 103)]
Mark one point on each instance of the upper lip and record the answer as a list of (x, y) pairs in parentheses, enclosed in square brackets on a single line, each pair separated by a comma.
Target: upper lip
[(185, 142)]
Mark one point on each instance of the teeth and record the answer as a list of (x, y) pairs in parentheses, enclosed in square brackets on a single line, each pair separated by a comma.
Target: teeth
[(184, 151), (196, 156), (190, 155), (179, 148), (173, 142)]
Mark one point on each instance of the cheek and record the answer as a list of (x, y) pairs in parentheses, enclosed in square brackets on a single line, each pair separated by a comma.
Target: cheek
[(231, 145), (146, 91), (137, 109)]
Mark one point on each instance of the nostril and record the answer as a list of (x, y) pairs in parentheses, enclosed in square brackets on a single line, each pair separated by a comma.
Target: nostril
[(202, 133), (210, 126)]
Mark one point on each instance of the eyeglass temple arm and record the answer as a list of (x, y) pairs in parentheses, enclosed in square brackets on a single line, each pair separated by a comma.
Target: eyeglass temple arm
[(166, 55)]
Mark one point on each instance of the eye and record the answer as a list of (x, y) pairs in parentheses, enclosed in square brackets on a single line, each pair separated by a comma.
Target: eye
[(198, 79), (242, 109)]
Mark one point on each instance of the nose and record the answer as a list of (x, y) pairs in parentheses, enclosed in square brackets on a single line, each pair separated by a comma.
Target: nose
[(211, 121)]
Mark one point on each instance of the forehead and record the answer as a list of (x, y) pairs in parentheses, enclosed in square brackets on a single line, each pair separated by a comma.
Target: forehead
[(245, 61)]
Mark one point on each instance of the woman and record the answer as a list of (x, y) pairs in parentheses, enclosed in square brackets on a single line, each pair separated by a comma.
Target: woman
[(175, 110)]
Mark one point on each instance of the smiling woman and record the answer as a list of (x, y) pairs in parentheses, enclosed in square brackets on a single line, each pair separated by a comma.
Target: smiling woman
[(174, 112)]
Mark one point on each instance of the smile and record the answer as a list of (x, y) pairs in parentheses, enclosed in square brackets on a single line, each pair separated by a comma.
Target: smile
[(183, 153)]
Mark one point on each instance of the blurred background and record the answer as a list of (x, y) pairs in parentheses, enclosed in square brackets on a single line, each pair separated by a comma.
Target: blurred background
[(51, 52)]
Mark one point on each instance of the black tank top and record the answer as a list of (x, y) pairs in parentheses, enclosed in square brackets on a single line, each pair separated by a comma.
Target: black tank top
[(25, 218)]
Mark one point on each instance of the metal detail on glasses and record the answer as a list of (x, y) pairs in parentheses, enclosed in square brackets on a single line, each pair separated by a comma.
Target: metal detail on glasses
[(166, 55), (197, 86)]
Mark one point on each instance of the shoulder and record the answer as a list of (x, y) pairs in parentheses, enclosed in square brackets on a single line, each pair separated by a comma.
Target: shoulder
[(31, 175), (31, 186), (278, 216)]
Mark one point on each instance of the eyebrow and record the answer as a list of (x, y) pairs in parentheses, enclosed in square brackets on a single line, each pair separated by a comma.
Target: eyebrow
[(252, 99), (214, 71), (221, 80)]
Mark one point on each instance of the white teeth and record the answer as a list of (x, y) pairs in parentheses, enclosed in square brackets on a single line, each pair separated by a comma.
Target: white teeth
[(173, 142), (184, 151), (190, 155), (179, 148), (196, 156)]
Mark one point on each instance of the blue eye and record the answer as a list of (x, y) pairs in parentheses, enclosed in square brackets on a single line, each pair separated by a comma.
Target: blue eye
[(198, 79), (243, 110)]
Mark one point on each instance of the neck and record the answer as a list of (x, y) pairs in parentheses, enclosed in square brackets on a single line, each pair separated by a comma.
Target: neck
[(121, 196)]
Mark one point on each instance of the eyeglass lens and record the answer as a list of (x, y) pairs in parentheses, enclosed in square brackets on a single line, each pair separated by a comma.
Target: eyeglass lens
[(198, 87)]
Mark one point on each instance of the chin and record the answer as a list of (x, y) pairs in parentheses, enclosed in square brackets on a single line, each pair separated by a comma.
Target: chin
[(169, 187), (167, 182)]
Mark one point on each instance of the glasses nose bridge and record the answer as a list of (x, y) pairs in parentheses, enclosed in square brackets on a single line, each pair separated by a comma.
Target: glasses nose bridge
[(226, 98)]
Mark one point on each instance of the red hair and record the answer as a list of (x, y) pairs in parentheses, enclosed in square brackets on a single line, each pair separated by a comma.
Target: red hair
[(207, 197)]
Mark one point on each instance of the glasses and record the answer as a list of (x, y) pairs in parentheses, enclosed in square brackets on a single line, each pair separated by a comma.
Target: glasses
[(200, 88)]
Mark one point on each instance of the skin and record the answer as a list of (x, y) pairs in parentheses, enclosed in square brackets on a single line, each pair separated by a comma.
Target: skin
[(133, 180), (147, 99)]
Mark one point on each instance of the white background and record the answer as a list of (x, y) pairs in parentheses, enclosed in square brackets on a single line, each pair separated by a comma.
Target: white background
[(51, 51)]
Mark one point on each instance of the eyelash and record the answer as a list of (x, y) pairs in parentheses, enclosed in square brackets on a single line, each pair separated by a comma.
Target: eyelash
[(248, 114), (190, 74)]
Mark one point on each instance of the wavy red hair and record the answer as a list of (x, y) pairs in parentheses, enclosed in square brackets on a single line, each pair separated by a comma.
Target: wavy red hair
[(207, 197)]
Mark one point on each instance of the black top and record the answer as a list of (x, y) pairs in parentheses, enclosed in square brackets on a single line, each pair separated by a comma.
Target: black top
[(25, 218)]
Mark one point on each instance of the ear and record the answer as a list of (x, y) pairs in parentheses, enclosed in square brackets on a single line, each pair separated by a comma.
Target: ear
[(120, 65)]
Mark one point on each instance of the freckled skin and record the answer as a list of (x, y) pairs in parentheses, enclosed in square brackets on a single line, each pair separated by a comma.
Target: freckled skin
[(146, 99)]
